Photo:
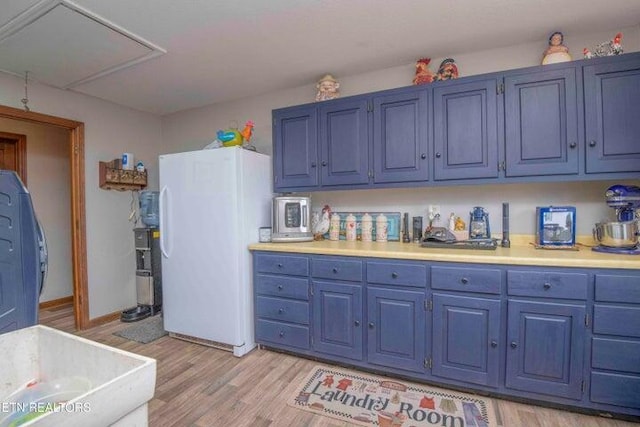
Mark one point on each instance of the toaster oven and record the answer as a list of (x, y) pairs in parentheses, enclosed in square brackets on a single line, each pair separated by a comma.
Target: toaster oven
[(291, 219)]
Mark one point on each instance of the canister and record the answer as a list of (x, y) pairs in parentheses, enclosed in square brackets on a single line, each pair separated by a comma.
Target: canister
[(381, 228), (334, 227), (350, 227), (366, 228)]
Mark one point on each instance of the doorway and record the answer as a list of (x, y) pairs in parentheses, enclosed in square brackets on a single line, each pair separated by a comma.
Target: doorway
[(78, 218), (13, 156)]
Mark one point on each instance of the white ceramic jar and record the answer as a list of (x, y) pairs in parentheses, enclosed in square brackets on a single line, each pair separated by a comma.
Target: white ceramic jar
[(366, 228), (381, 228), (334, 227), (350, 227)]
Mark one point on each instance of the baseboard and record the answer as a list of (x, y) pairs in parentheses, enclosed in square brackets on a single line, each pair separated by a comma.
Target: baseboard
[(56, 302), (103, 319)]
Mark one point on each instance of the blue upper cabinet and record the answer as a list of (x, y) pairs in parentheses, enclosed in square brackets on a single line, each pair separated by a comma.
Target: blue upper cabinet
[(400, 136), (295, 148), (465, 130), (541, 123), (612, 111), (344, 142)]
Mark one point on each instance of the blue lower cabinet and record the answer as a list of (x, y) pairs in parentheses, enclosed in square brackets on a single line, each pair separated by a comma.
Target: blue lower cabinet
[(466, 339), (396, 328), (337, 319), (545, 351)]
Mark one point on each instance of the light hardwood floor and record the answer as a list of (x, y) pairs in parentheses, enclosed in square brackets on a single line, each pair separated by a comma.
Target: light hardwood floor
[(198, 386)]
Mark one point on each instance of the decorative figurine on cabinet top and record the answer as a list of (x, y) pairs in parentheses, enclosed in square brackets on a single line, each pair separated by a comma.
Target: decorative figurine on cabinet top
[(423, 73), (448, 70), (556, 52), (608, 48), (327, 88)]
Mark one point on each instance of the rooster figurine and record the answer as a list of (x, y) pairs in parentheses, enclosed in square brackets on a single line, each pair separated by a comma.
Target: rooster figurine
[(320, 223), (423, 73), (247, 132)]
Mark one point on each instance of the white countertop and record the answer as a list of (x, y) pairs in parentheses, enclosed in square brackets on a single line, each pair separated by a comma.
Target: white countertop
[(520, 253)]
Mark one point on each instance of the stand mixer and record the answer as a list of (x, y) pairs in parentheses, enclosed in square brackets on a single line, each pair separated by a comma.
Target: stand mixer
[(620, 237)]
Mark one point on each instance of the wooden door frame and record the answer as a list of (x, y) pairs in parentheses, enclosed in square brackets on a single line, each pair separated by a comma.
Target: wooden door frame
[(21, 153), (78, 215)]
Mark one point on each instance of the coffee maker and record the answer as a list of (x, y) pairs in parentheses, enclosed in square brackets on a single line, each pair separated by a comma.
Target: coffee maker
[(621, 236)]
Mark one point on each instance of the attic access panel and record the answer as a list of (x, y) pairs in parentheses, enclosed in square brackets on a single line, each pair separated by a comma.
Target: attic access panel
[(64, 45)]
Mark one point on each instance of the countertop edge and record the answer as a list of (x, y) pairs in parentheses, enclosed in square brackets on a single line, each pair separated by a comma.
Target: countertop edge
[(516, 255)]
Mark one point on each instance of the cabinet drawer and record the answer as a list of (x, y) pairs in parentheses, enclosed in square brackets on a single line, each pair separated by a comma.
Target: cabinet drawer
[(616, 355), (391, 273), (615, 320), (337, 269), (615, 389), (282, 333), (485, 280), (547, 284), (285, 310), (282, 264), (288, 287), (618, 288)]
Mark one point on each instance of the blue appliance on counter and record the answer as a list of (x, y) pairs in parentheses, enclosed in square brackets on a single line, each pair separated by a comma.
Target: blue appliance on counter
[(23, 255)]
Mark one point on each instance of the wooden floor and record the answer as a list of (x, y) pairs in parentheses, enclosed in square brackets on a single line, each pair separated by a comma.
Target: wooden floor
[(204, 387)]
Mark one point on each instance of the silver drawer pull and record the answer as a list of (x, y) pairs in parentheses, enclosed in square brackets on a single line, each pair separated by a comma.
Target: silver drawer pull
[(514, 344), (279, 287), (281, 334), (547, 286), (280, 265), (281, 310), (371, 325), (335, 269), (394, 275), (464, 280), (356, 323), (494, 343)]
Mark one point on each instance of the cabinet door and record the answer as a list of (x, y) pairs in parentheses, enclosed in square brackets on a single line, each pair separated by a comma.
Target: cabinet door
[(466, 339), (400, 136), (397, 330), (466, 130), (546, 348), (295, 147), (344, 142), (337, 317), (541, 123), (611, 104)]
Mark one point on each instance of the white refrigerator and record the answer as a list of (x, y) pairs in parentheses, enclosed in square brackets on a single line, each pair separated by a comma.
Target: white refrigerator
[(212, 203)]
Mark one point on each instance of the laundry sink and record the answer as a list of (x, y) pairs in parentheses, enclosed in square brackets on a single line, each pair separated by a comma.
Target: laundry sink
[(52, 378)]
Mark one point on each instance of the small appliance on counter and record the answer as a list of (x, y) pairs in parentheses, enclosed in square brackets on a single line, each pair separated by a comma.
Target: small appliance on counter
[(621, 236), (291, 219)]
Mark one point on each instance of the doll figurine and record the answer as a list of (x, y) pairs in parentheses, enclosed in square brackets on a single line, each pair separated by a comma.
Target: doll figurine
[(327, 88), (556, 52)]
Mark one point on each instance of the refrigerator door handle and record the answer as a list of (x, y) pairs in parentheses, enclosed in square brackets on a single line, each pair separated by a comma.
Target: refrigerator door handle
[(163, 207)]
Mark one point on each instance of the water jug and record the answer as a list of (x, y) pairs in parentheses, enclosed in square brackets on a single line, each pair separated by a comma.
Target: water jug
[(149, 213)]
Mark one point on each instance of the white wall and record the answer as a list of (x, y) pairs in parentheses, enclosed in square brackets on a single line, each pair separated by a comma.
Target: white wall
[(110, 130), (192, 129), (48, 150)]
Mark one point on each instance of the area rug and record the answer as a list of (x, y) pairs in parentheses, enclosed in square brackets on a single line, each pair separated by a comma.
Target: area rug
[(368, 400), (144, 331)]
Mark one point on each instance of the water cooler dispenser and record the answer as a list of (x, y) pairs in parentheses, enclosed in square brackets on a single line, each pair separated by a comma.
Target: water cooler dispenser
[(148, 262)]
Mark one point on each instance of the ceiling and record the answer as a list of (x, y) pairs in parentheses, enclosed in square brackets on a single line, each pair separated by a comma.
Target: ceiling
[(163, 56)]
